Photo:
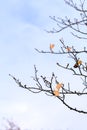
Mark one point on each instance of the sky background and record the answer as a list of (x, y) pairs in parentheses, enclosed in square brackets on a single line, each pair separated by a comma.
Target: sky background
[(22, 25)]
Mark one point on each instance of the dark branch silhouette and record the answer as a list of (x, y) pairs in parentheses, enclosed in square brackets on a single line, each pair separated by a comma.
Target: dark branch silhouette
[(77, 25), (78, 67)]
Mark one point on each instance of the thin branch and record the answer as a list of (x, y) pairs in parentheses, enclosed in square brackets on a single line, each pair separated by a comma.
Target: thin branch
[(80, 37), (42, 84), (74, 5), (49, 52), (32, 89), (66, 23), (71, 108)]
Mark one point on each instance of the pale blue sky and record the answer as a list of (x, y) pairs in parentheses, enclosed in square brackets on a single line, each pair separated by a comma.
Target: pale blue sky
[(22, 24)]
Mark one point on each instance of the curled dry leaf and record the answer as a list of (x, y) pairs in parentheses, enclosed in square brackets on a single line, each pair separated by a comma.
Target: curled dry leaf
[(58, 86), (68, 48), (79, 62), (51, 46), (56, 92), (76, 65)]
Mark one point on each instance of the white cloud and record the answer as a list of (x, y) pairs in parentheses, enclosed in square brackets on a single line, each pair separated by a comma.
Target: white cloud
[(14, 108)]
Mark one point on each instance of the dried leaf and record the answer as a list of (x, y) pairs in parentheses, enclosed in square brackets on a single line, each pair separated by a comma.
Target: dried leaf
[(76, 65), (56, 92), (51, 46), (58, 86), (68, 49), (79, 62)]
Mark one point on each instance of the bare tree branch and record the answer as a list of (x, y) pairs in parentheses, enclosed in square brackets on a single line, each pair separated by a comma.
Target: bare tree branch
[(51, 86)]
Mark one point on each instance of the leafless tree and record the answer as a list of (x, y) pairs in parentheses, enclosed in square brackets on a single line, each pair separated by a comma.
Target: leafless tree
[(78, 28), (11, 125)]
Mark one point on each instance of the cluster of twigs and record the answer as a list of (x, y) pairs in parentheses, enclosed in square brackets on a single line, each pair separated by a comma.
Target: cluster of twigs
[(78, 26), (79, 68), (47, 85)]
